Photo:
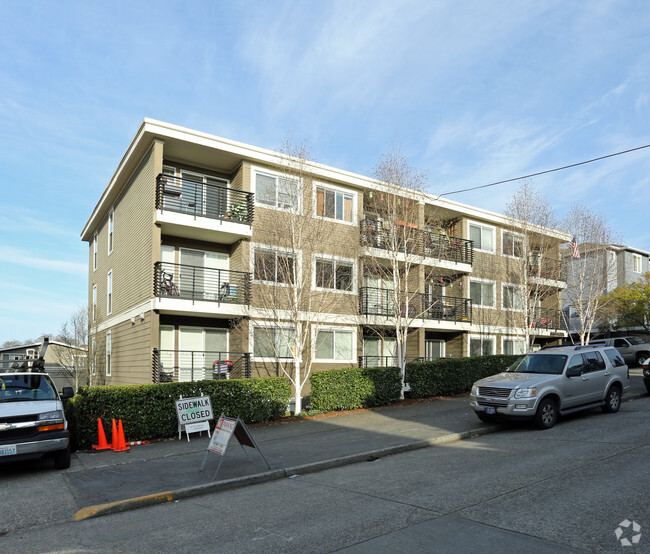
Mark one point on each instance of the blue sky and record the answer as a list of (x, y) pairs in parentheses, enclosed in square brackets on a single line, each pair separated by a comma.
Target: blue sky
[(473, 91)]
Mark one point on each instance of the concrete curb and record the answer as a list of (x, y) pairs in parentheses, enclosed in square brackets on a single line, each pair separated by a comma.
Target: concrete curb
[(272, 475)]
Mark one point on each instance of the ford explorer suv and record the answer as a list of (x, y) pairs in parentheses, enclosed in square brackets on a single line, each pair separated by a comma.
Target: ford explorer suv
[(32, 422), (552, 382)]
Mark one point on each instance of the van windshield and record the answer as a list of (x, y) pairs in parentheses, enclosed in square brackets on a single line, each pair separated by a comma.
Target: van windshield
[(546, 364), (23, 388)]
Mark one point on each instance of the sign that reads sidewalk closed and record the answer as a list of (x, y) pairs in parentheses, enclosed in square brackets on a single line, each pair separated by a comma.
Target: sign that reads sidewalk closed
[(193, 410)]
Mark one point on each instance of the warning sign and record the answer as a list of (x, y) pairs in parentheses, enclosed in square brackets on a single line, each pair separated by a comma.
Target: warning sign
[(222, 435)]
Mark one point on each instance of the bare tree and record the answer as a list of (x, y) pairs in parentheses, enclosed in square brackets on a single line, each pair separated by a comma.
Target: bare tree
[(531, 259), (74, 333), (396, 242), (588, 268), (290, 309)]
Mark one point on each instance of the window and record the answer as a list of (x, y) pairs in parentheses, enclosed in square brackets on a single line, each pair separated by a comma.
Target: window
[(109, 292), (513, 346), (334, 345), (512, 298), (94, 252), (111, 223), (482, 293), (615, 357), (593, 361), (273, 266), (109, 347), (481, 346), (94, 302), (334, 274), (334, 204), (93, 365), (273, 342), (637, 263), (277, 191), (512, 244), (482, 236)]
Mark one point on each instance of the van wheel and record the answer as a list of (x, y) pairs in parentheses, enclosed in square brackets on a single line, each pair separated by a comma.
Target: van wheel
[(612, 400), (62, 458), (546, 414)]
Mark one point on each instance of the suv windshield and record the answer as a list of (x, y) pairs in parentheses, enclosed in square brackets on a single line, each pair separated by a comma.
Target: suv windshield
[(23, 388), (547, 364), (634, 340)]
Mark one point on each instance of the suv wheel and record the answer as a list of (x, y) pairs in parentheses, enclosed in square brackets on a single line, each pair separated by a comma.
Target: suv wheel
[(484, 417), (612, 400), (546, 414), (641, 358)]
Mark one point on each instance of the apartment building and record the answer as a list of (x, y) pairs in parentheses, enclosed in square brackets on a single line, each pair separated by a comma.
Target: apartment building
[(192, 253)]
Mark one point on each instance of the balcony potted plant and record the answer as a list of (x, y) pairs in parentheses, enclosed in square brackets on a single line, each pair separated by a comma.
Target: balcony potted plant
[(238, 211)]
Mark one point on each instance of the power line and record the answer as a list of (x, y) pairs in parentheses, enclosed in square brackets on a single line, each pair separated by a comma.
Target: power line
[(547, 171)]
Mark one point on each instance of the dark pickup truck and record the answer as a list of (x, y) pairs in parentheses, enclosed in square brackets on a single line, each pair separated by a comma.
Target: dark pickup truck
[(633, 349)]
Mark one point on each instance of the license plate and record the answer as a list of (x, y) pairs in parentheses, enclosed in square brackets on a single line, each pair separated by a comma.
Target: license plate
[(9, 450), (490, 410)]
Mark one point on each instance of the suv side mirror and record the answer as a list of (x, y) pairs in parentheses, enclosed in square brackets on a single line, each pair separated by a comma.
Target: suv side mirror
[(68, 392), (574, 372)]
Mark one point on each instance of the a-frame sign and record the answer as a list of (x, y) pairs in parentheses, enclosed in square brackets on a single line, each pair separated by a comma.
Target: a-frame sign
[(225, 429)]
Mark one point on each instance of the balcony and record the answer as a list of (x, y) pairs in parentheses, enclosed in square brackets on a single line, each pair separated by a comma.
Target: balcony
[(384, 361), (206, 211), (546, 270), (197, 365), (201, 284), (451, 251), (547, 320), (380, 302)]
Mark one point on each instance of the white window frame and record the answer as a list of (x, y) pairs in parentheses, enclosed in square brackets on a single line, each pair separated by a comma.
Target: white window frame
[(111, 230), (109, 354), (93, 360), (482, 338), (109, 292), (513, 339), (503, 296), (94, 301), (494, 292), (95, 252), (297, 259), (637, 263), (335, 330), (483, 227), (251, 340), (277, 176), (335, 260), (516, 236), (335, 189)]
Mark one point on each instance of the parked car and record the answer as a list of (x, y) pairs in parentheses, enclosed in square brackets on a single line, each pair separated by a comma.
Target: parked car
[(633, 349), (552, 382), (646, 375), (32, 421)]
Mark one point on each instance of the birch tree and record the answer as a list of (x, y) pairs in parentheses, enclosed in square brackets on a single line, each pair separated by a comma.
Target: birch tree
[(393, 234), (530, 254), (74, 332), (589, 270)]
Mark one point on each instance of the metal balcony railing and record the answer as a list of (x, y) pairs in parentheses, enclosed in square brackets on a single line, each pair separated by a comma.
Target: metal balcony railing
[(410, 240), (376, 301), (203, 199), (383, 361), (548, 319), (197, 365), (201, 283), (546, 269)]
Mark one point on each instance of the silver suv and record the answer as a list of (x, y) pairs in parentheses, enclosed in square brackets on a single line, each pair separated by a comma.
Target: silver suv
[(555, 381)]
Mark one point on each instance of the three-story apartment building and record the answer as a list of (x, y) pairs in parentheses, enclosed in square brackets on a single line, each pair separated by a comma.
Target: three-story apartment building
[(193, 267)]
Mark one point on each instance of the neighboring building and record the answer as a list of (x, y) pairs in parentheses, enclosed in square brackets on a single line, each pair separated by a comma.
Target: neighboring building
[(619, 266), (180, 252), (62, 360)]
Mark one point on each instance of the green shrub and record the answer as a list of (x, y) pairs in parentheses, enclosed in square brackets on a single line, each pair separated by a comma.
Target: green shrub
[(148, 411), (449, 376), (347, 389)]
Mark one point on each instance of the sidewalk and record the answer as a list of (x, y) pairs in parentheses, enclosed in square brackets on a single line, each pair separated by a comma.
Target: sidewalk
[(99, 483)]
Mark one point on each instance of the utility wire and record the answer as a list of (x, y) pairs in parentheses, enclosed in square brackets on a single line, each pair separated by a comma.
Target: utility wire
[(547, 171)]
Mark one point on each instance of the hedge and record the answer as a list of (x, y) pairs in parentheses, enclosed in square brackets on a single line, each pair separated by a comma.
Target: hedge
[(449, 376), (348, 389), (148, 412)]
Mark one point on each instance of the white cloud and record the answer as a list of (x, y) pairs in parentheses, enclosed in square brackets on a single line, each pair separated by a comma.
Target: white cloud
[(19, 257)]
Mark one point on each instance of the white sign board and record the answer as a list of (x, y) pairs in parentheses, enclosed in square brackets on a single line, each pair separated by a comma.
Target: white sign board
[(193, 415), (222, 435)]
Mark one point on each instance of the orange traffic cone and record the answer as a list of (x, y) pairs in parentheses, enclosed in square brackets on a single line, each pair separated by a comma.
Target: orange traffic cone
[(101, 437), (120, 446)]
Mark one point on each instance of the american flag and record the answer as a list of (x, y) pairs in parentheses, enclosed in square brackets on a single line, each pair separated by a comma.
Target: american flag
[(573, 245)]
